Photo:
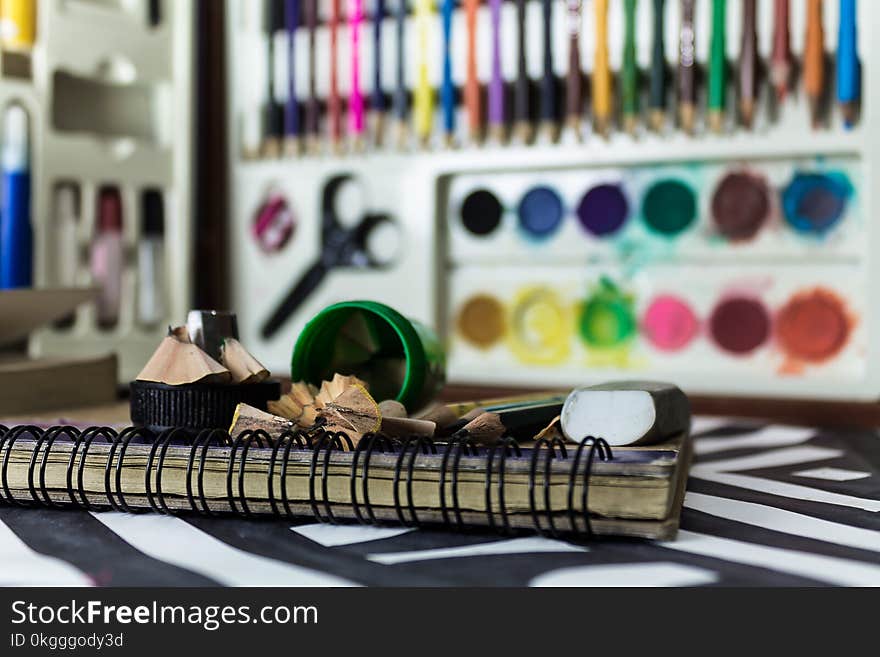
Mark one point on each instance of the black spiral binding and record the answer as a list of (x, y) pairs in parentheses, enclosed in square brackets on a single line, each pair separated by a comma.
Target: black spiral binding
[(507, 446), (321, 445), (367, 445)]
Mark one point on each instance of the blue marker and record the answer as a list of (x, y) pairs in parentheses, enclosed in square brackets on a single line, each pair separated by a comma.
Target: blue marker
[(16, 234), (848, 67), (447, 92)]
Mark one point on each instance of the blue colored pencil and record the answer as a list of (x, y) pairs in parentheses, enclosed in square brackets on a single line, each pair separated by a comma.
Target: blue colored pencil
[(848, 73)]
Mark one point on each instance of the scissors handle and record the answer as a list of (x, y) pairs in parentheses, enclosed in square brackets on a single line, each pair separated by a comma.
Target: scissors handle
[(307, 284)]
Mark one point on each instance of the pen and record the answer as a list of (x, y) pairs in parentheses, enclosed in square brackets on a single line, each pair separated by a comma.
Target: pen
[(574, 80), (657, 97), (496, 81), (848, 91), (107, 256), (472, 90), (16, 232), (687, 86), (549, 112), (602, 73), (522, 92), (630, 75), (377, 100), (748, 64), (151, 282), (814, 62), (447, 91), (291, 109), (313, 105), (356, 95), (717, 95), (274, 111), (64, 259), (780, 58), (401, 95), (423, 98)]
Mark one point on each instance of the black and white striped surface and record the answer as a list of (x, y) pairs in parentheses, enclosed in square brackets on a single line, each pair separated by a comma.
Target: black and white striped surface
[(766, 505)]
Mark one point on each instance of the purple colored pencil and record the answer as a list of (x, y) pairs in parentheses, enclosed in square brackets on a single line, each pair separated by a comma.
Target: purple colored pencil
[(496, 82)]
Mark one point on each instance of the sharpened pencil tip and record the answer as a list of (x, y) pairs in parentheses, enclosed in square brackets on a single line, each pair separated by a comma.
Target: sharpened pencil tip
[(657, 120)]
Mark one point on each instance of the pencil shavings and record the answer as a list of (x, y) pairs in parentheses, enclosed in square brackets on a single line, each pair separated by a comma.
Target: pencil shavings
[(253, 419), (179, 362), (304, 401), (354, 412), (243, 367)]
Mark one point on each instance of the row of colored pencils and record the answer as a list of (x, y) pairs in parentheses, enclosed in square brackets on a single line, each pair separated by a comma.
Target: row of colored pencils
[(524, 108)]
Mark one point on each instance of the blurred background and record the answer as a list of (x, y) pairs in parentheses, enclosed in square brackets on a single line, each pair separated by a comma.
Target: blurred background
[(567, 191)]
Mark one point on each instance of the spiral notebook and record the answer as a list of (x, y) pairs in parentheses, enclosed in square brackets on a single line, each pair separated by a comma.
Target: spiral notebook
[(548, 487)]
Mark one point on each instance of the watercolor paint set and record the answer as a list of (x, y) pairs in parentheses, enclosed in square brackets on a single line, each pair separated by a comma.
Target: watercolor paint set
[(747, 328), (694, 255), (639, 214), (107, 92)]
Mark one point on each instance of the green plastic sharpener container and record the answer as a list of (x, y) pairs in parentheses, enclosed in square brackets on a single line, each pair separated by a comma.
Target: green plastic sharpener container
[(399, 358)]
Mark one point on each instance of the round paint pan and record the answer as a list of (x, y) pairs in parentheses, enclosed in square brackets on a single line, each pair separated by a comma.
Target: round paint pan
[(669, 207), (540, 327), (741, 205), (739, 325), (603, 210), (481, 321), (540, 212), (813, 326), (607, 318), (481, 212), (813, 203), (669, 323)]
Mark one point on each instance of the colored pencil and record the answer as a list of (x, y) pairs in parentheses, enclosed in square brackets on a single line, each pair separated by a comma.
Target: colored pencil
[(377, 97), (356, 109), (292, 126), (423, 97), (848, 74), (519, 422), (657, 96), (273, 134), (472, 92), (313, 105), (748, 64), (549, 111), (334, 101), (717, 95), (814, 62), (496, 114), (447, 91), (602, 73), (780, 57), (630, 73), (574, 93), (401, 95), (687, 84), (522, 93)]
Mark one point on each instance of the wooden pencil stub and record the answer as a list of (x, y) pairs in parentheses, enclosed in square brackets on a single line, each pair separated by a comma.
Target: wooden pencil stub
[(392, 408)]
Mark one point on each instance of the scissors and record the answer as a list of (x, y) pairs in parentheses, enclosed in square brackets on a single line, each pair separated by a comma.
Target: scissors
[(350, 238)]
